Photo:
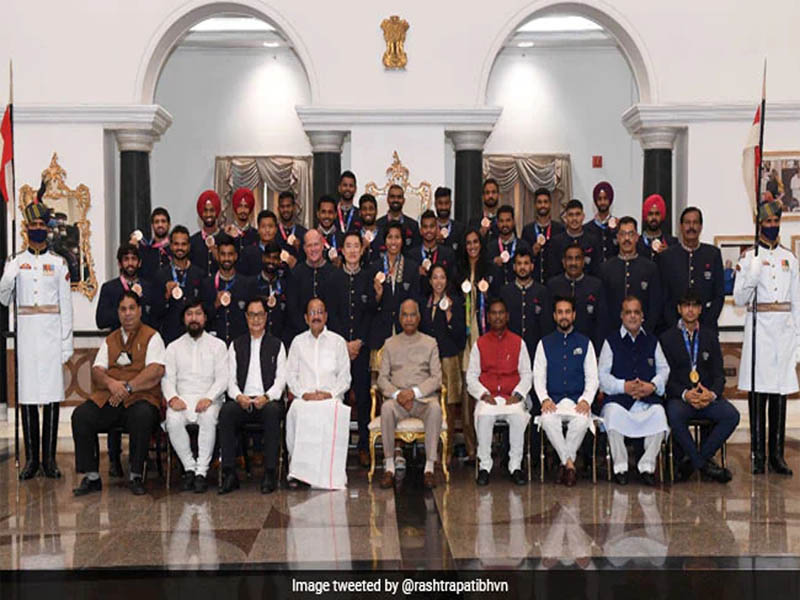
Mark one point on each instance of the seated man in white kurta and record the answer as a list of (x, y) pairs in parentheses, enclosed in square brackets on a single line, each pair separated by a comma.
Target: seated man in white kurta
[(194, 383), (633, 375), (318, 422), (565, 380)]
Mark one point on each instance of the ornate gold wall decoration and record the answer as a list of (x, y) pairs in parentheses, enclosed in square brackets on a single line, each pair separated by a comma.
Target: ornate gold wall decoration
[(397, 174), (394, 33), (72, 229)]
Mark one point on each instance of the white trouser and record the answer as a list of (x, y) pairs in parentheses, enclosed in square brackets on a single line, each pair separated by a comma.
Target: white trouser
[(176, 422), (517, 418), (619, 453), (566, 446)]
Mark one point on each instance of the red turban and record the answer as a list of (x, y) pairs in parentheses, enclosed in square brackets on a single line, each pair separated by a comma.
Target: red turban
[(206, 197), (651, 201), (606, 187), (244, 195)]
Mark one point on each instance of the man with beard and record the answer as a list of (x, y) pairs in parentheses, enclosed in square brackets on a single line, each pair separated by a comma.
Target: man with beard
[(178, 283), (226, 294), (530, 314), (574, 234), (194, 384), (129, 263), (346, 213), (604, 225), (692, 265), (653, 241), (315, 278), (451, 233), (250, 259), (241, 231), (486, 223), (538, 232), (431, 252), (586, 293), (271, 286), (291, 232), (629, 274), (202, 244), (565, 378), (371, 234), (331, 236), (154, 252), (396, 199), (502, 249)]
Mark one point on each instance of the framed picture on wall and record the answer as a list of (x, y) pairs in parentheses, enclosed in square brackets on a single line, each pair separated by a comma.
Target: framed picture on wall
[(795, 247), (731, 247), (781, 177)]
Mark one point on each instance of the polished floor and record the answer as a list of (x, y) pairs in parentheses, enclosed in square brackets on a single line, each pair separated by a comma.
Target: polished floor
[(751, 523)]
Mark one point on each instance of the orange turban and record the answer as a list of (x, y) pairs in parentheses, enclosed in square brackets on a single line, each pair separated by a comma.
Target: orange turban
[(244, 195), (206, 197), (654, 200)]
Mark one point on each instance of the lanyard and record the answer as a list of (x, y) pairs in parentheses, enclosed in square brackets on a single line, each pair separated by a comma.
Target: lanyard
[(448, 228), (545, 231), (181, 283), (345, 227), (501, 246), (333, 239), (285, 235), (124, 283), (693, 351), (425, 254), (228, 284)]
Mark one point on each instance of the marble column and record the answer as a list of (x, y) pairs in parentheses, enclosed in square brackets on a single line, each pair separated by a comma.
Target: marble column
[(327, 149), (657, 143), (134, 177), (469, 173)]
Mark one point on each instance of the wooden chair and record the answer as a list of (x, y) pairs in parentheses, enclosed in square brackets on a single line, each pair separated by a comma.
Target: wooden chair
[(408, 430), (542, 438)]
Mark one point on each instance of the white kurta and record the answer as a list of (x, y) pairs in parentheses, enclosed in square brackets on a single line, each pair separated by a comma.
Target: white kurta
[(196, 369), (44, 322), (317, 431), (777, 333)]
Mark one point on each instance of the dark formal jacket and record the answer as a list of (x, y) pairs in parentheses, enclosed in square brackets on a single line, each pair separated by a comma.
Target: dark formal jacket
[(475, 223), (411, 236), (455, 237), (440, 255), (325, 282), (334, 239), (387, 318), (191, 282), (227, 322), (270, 348), (283, 236), (644, 246), (374, 248), (450, 336), (495, 247), (590, 305), (608, 238), (700, 270), (632, 359), (153, 258), (361, 305), (248, 238), (276, 314), (530, 312), (348, 219), (200, 255), (250, 260), (530, 233), (592, 250), (107, 315), (636, 277), (709, 361)]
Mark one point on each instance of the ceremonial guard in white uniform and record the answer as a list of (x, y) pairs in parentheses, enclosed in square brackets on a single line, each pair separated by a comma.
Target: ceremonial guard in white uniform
[(773, 276), (44, 337)]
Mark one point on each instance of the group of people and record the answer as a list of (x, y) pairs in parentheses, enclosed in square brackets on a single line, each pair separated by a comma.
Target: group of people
[(576, 325)]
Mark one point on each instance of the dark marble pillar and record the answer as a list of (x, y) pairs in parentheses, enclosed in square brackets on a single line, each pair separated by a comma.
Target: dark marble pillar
[(469, 173), (327, 149), (134, 193), (657, 179)]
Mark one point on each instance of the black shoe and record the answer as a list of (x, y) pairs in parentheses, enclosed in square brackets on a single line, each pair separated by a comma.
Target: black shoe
[(777, 435), (30, 470), (187, 481), (87, 486), (200, 484), (685, 470), (50, 469), (136, 486), (30, 436), (269, 483), (779, 466), (648, 478), (49, 440), (483, 477), (229, 483), (713, 471), (518, 477), (621, 478), (296, 484), (115, 467)]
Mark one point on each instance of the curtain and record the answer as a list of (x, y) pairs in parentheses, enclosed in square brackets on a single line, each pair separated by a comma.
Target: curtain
[(519, 175), (277, 172)]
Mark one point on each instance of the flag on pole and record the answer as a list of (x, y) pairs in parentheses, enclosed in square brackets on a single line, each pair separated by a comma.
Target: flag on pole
[(7, 155), (751, 156)]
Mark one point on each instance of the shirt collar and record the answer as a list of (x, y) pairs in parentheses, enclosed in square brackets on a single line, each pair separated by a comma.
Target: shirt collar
[(624, 332), (523, 287), (576, 280)]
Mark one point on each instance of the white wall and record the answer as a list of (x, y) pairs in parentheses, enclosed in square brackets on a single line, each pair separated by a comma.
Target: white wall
[(570, 100), (223, 102)]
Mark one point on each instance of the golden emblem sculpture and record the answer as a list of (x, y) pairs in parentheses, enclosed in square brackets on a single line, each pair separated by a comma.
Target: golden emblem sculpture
[(70, 227), (394, 33), (397, 174)]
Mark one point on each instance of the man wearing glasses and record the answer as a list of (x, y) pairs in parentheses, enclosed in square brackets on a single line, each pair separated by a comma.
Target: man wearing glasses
[(256, 379)]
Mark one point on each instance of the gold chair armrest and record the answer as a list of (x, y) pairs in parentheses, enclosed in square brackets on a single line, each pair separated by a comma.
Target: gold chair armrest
[(443, 402), (373, 393)]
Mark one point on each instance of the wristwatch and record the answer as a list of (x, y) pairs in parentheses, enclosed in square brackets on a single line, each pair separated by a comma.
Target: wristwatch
[(128, 388), (518, 396)]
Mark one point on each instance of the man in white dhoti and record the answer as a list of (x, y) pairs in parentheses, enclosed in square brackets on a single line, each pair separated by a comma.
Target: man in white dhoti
[(44, 337), (499, 376), (318, 421), (194, 383), (565, 380), (773, 279), (633, 374)]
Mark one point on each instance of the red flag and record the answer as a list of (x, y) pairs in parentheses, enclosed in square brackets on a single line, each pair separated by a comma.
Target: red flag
[(6, 156)]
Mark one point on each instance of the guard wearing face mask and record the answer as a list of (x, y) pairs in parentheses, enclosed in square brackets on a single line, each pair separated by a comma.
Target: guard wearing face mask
[(772, 278), (40, 278)]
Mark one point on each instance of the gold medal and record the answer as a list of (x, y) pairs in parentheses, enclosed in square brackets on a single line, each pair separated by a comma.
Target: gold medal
[(694, 376)]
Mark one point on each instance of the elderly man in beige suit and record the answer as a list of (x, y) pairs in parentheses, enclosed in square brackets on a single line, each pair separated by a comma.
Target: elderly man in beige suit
[(410, 378)]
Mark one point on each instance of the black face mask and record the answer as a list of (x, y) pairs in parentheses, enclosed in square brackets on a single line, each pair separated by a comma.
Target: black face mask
[(771, 233), (37, 236)]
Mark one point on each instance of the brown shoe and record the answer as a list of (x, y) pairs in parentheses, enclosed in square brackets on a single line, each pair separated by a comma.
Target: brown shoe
[(387, 480), (570, 477), (363, 458), (560, 474), (429, 480)]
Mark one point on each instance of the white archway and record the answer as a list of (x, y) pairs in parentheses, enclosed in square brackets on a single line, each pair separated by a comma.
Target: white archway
[(175, 26), (631, 45)]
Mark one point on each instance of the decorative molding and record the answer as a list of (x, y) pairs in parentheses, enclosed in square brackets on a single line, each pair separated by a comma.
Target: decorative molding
[(468, 140), (135, 140), (326, 141), (321, 118), (642, 116), (657, 138), (150, 117)]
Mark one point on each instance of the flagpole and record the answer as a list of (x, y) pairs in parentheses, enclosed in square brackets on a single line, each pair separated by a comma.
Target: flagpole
[(13, 201)]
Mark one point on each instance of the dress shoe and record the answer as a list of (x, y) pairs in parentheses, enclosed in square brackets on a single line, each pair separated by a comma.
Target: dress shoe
[(87, 486), (136, 485), (621, 478), (483, 477), (570, 477), (714, 472), (229, 483), (363, 458), (560, 474), (387, 480), (115, 467), (296, 484), (50, 470), (779, 466), (648, 478), (187, 481), (270, 482), (428, 480), (685, 470), (518, 477), (30, 471), (200, 484)]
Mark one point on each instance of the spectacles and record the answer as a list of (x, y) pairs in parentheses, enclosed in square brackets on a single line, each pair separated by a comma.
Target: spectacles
[(626, 234), (316, 313), (258, 315)]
